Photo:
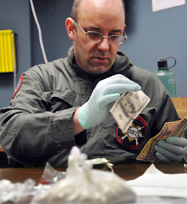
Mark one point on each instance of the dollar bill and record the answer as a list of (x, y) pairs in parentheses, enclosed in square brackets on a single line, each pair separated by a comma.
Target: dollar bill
[(128, 107), (176, 128)]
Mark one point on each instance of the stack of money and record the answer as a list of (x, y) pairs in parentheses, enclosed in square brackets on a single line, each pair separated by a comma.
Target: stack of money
[(176, 128), (101, 163), (128, 107)]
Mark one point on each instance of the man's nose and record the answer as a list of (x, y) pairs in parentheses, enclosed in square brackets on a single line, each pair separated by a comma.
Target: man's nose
[(104, 44)]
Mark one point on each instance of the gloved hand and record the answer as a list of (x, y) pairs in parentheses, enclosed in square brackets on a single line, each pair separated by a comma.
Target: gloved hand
[(107, 91), (171, 150)]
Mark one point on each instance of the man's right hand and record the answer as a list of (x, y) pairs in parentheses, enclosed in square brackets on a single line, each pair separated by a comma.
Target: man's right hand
[(107, 91)]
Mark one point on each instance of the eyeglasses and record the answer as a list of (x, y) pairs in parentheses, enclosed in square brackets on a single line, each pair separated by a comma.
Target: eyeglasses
[(97, 37)]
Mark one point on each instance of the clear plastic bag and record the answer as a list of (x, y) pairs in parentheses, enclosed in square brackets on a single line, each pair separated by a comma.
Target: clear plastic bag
[(83, 184), (50, 175), (14, 192)]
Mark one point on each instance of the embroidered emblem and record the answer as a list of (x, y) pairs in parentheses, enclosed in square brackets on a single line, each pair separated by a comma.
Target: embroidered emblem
[(18, 85), (134, 136)]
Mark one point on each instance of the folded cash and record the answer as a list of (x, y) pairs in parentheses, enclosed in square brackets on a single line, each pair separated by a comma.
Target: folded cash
[(176, 128), (185, 166), (101, 163), (128, 107)]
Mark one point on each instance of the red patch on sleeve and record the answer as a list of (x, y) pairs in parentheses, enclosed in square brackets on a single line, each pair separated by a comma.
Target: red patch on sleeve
[(20, 82)]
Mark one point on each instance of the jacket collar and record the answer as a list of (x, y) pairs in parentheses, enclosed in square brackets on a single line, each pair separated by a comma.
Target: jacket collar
[(121, 64)]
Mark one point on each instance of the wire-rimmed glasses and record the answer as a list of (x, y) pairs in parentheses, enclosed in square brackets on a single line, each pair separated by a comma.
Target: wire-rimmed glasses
[(97, 37)]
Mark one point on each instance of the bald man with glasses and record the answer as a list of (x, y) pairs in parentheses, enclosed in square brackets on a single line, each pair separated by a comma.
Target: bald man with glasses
[(66, 102)]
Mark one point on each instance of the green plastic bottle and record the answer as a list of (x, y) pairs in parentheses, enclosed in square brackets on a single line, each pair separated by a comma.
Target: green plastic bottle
[(166, 76)]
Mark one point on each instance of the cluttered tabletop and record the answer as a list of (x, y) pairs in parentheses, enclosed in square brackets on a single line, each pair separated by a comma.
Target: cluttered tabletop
[(128, 172)]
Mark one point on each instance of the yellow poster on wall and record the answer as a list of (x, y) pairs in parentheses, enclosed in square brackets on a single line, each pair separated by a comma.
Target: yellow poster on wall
[(7, 51)]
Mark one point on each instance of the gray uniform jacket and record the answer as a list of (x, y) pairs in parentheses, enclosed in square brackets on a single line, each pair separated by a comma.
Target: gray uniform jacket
[(37, 126)]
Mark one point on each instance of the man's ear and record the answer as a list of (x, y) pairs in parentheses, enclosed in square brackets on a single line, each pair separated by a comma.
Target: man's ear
[(70, 28), (124, 27)]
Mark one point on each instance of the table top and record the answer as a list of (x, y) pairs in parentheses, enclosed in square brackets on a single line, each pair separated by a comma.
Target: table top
[(126, 171)]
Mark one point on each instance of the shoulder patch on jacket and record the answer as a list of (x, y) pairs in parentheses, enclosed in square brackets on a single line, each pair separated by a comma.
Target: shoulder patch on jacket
[(18, 86), (134, 136)]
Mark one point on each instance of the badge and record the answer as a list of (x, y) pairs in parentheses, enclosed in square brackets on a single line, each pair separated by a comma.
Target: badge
[(134, 136)]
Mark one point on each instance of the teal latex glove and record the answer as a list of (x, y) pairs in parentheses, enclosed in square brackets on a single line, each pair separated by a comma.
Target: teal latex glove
[(107, 91), (171, 150)]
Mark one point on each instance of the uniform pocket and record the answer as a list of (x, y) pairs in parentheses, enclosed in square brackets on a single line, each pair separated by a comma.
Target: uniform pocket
[(62, 100)]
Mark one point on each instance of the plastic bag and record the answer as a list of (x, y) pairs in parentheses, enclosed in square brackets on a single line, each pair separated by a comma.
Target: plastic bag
[(83, 184), (14, 192), (50, 175)]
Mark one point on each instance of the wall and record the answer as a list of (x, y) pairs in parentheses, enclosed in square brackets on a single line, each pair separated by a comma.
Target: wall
[(51, 16), (151, 36), (156, 35), (15, 15)]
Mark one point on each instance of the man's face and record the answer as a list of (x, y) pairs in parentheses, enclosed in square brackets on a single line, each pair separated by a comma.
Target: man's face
[(106, 17)]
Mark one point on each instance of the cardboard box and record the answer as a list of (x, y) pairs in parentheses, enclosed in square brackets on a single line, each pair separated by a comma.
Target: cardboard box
[(181, 106)]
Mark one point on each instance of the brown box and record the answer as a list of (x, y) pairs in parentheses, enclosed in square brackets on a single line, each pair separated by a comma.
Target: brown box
[(180, 105)]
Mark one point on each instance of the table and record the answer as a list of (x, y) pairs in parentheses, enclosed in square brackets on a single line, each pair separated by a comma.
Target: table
[(126, 171)]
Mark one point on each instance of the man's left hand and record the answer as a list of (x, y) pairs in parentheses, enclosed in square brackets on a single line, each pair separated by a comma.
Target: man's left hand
[(171, 150)]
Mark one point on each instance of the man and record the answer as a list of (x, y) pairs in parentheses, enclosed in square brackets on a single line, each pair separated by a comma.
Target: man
[(67, 102)]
